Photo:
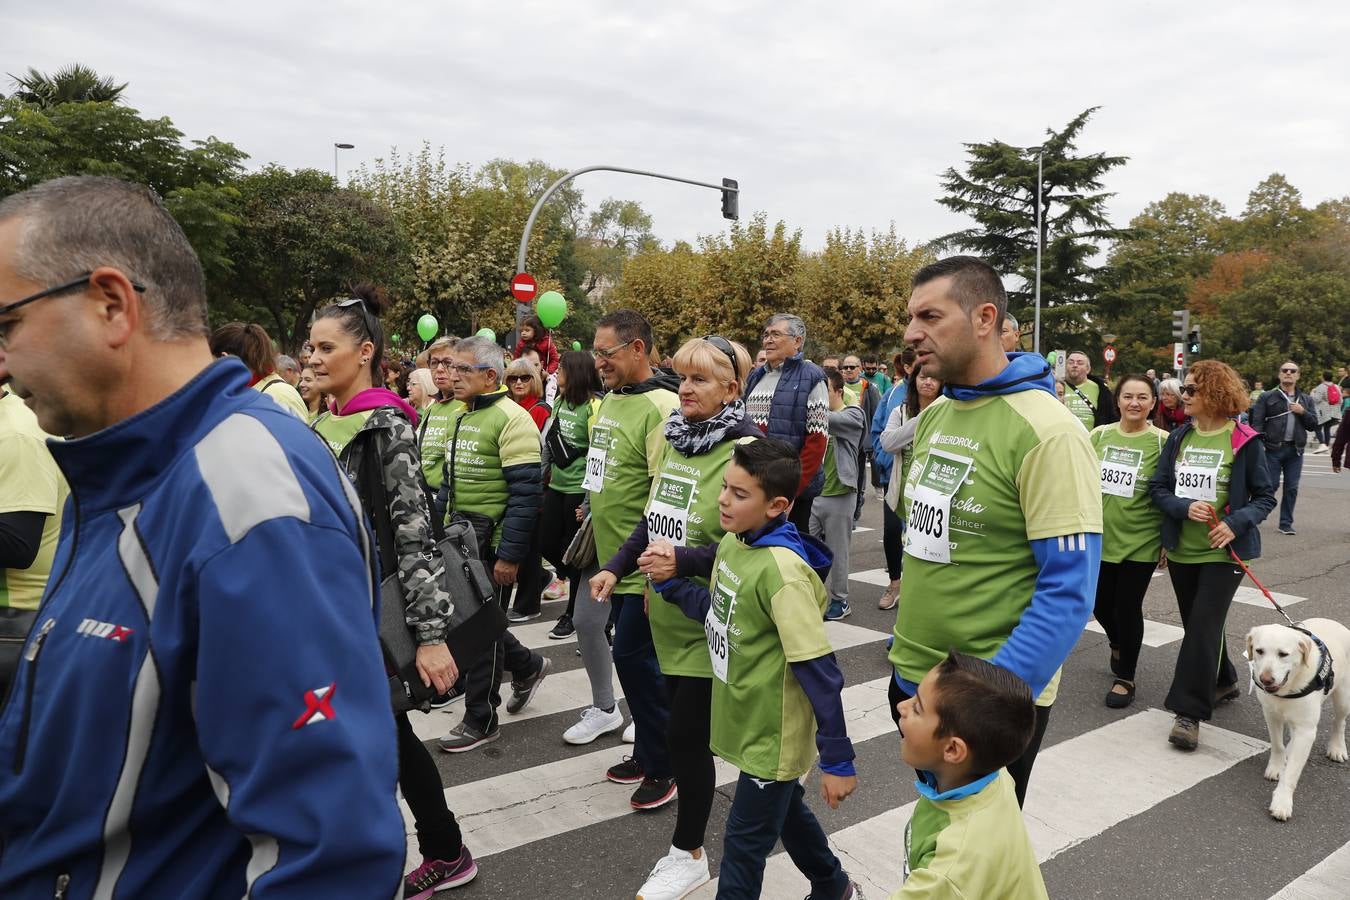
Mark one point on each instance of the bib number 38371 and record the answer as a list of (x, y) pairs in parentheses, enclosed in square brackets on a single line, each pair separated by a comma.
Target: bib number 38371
[(1197, 474)]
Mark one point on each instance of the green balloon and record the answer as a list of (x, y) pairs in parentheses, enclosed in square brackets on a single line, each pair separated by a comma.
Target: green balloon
[(576, 345), (427, 326), (551, 308), (396, 339), (1050, 357), (488, 333)]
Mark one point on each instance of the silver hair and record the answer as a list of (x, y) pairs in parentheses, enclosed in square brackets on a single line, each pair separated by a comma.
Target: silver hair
[(1012, 320), (81, 223), (286, 364), (484, 353), (795, 326), (1171, 385)]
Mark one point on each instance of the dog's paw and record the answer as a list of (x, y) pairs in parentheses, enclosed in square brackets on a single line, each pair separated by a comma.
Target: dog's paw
[(1272, 772), (1337, 753), (1281, 808)]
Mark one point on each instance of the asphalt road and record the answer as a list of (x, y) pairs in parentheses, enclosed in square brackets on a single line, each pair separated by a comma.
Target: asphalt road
[(1114, 810)]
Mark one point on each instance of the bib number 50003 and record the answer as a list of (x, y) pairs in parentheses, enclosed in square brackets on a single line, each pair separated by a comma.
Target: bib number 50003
[(927, 519)]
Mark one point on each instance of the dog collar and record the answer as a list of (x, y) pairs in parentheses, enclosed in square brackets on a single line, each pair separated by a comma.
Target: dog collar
[(1326, 676)]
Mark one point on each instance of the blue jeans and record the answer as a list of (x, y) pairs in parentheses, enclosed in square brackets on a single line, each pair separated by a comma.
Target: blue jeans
[(643, 684), (760, 815), (1286, 459)]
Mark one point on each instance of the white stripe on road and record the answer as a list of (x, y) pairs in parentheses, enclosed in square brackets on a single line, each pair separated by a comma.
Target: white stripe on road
[(507, 811), (1253, 597), (861, 529), (879, 577), (572, 689), (1325, 881), (1156, 634), (1068, 801)]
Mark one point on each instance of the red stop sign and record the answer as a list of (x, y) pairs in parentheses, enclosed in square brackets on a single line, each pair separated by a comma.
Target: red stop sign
[(524, 287)]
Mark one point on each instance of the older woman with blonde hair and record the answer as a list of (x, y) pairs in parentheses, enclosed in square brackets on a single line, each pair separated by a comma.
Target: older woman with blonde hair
[(527, 388), (421, 389), (1214, 490)]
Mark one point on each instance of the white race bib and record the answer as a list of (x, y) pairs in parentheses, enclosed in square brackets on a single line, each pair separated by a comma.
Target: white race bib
[(595, 461), (715, 628), (668, 511), (1120, 471), (928, 530), (1198, 475)]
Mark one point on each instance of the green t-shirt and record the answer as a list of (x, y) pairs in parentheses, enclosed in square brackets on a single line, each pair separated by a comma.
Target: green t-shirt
[(337, 430), (283, 394), (1208, 460), (833, 486), (772, 606), (30, 481), (431, 438), (682, 507), (853, 392), (1132, 524), (484, 440), (628, 435), (988, 477), (1080, 408), (574, 424)]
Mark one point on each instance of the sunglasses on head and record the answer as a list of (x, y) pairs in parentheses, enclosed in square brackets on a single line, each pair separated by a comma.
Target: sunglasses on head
[(724, 345)]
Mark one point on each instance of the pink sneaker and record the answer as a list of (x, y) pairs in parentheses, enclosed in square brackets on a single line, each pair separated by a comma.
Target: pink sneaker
[(438, 875)]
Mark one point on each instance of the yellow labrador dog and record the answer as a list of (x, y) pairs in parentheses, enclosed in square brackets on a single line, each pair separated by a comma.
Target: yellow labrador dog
[(1293, 672)]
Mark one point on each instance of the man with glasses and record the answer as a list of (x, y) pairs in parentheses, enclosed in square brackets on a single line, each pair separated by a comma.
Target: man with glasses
[(435, 425), (1284, 416), (863, 393), (207, 653), (787, 398), (493, 479)]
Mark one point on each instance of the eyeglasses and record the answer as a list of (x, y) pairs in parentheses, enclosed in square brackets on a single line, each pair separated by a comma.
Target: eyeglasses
[(1189, 390), (434, 363), (724, 345), (609, 354), (515, 378), (848, 367), (774, 333), (1282, 371), (79, 282), (461, 369)]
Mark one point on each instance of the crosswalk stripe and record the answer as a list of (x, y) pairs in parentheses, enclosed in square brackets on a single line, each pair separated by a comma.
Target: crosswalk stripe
[(1156, 634), (572, 689), (1325, 881), (1068, 801), (535, 635), (509, 810), (1252, 597), (879, 577)]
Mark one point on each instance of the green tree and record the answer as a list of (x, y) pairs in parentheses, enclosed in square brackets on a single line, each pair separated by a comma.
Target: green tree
[(300, 242), (1275, 218), (616, 231), (75, 83), (750, 273), (998, 190), (669, 287)]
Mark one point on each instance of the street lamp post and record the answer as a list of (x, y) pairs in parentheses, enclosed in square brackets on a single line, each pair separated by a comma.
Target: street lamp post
[(1040, 239), (336, 148)]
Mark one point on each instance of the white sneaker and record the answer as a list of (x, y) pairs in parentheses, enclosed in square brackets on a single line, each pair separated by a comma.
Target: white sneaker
[(1322, 449), (630, 733), (676, 875), (594, 722)]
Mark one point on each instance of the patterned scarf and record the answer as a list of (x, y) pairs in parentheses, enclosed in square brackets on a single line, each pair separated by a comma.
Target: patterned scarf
[(694, 438)]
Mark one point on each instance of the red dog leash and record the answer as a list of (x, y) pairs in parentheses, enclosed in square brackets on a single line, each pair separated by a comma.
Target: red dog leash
[(1213, 517)]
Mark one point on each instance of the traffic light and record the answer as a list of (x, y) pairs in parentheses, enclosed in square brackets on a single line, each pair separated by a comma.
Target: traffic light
[(731, 199), (1193, 342), (1181, 324)]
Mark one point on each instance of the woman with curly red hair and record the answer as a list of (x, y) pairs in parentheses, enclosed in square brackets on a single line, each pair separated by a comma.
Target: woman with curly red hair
[(1214, 490)]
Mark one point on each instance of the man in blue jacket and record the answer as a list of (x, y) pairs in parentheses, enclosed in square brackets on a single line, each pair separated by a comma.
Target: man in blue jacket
[(201, 704)]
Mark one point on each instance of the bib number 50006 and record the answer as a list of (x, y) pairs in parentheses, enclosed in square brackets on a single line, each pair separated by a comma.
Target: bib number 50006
[(663, 526)]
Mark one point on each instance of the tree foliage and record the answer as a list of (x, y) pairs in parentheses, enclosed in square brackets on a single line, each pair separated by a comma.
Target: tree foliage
[(75, 83), (998, 190)]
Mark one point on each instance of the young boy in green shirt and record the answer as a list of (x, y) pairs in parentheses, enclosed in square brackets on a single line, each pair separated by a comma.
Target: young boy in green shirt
[(776, 683), (968, 719)]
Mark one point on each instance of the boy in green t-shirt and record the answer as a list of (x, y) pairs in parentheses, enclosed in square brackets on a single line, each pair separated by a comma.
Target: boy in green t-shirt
[(968, 719), (776, 683)]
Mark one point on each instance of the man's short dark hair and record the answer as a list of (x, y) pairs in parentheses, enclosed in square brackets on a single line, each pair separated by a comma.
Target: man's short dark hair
[(985, 705), (974, 282), (870, 359), (628, 325), (834, 377), (771, 462)]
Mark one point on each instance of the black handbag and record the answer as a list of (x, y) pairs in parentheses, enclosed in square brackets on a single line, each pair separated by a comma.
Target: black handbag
[(476, 620), (14, 627)]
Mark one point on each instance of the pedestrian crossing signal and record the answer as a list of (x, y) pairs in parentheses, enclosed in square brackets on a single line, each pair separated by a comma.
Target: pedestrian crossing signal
[(1193, 343)]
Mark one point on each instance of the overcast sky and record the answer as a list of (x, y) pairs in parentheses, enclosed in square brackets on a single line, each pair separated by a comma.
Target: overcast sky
[(829, 113)]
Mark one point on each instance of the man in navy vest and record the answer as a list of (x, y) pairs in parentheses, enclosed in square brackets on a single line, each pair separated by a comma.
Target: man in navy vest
[(786, 397)]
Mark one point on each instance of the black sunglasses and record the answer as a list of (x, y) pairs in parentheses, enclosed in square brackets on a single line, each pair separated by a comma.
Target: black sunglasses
[(366, 317), (724, 345), (1189, 390)]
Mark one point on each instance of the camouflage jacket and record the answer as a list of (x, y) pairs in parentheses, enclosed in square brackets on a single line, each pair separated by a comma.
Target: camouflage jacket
[(419, 567)]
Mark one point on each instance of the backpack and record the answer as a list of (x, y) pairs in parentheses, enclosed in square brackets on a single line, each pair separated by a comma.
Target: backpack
[(1333, 395)]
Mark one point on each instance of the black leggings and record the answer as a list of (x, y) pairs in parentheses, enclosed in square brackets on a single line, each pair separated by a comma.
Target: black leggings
[(1019, 769), (1120, 609), (687, 733), (891, 538), (1204, 593), (557, 526), (438, 834)]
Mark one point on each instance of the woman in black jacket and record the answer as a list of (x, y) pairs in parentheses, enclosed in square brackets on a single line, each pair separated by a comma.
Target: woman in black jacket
[(1214, 490)]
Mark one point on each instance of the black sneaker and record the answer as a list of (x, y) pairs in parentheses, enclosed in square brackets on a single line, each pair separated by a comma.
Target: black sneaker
[(627, 772), (464, 737), (522, 692), (564, 629), (1289, 530), (515, 617), (450, 696), (653, 793)]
